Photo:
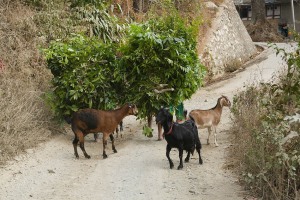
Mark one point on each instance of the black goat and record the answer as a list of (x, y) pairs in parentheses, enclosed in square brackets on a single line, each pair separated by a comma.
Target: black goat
[(181, 136)]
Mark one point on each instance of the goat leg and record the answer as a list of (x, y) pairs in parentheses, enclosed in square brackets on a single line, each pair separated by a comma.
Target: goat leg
[(209, 132), (81, 144), (117, 131), (215, 130), (96, 136), (81, 136), (104, 145), (168, 156), (187, 157), (113, 143), (200, 159), (180, 158), (75, 142), (121, 126)]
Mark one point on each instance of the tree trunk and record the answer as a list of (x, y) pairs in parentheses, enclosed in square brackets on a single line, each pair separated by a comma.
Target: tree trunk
[(141, 5), (137, 5), (258, 8), (177, 4)]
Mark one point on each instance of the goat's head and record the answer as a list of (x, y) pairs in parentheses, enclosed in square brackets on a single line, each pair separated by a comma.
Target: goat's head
[(132, 109), (224, 101), (163, 116)]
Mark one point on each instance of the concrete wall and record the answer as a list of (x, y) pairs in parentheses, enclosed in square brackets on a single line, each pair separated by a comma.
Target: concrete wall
[(227, 43), (286, 15)]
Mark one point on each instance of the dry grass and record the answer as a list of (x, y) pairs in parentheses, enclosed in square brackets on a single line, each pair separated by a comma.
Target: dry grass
[(264, 162), (266, 32), (25, 119)]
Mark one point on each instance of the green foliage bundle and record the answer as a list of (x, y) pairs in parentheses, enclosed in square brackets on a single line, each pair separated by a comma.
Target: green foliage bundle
[(84, 75), (161, 51), (268, 150)]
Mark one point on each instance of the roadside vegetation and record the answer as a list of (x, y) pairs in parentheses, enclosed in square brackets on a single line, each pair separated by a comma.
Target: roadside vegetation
[(266, 126)]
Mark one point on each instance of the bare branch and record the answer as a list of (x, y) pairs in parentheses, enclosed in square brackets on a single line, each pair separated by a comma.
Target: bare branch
[(163, 90)]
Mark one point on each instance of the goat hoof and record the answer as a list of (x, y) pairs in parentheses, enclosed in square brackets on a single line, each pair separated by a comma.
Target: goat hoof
[(88, 156), (217, 145), (179, 167), (104, 156), (171, 166), (200, 162), (186, 160), (115, 151)]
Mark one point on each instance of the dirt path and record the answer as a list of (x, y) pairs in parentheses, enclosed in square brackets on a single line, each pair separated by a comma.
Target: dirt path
[(140, 169)]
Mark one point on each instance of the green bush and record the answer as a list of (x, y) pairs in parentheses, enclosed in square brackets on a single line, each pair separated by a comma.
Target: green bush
[(84, 75)]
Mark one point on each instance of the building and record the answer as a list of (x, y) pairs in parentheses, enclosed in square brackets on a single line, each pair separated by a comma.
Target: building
[(277, 11)]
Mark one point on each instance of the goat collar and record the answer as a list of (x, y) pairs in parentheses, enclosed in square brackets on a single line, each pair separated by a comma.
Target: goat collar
[(170, 130)]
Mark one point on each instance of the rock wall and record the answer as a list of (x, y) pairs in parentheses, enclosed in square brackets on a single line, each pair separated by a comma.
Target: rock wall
[(227, 43)]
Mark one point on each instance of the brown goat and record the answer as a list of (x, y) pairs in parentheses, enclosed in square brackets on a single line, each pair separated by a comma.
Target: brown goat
[(96, 135), (88, 120), (210, 118)]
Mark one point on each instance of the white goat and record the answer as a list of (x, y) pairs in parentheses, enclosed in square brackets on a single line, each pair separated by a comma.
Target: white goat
[(210, 118)]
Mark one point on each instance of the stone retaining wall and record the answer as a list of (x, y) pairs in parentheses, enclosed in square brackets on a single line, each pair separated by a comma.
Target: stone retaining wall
[(227, 44)]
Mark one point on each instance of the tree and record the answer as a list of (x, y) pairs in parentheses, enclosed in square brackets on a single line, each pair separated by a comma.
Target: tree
[(258, 8)]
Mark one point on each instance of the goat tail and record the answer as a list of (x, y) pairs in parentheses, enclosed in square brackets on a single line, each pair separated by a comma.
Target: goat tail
[(191, 118), (198, 143), (185, 113), (68, 119), (194, 125)]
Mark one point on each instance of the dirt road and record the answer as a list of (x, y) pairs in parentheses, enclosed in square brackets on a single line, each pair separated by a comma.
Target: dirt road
[(140, 169)]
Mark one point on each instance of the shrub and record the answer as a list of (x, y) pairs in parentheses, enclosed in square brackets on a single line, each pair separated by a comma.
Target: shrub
[(84, 75), (268, 145)]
